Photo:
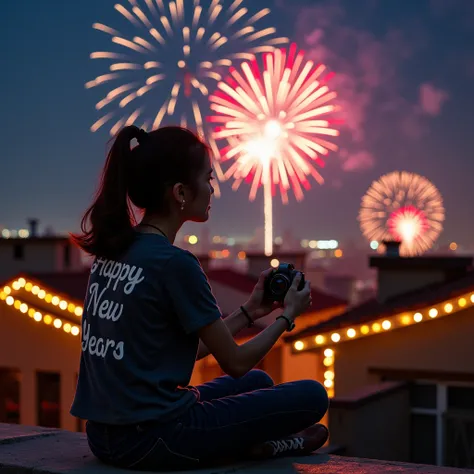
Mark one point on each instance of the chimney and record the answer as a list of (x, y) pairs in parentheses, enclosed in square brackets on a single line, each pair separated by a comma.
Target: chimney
[(258, 261), (397, 275), (392, 248), (33, 223)]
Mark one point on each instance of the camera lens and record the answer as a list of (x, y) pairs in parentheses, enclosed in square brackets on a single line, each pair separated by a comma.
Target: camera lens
[(279, 285)]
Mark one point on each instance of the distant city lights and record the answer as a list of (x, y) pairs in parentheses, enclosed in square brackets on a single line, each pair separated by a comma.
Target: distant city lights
[(218, 239), (320, 244), (14, 234), (374, 245)]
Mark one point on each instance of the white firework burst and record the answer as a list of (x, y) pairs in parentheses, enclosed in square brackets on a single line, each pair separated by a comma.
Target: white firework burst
[(170, 58)]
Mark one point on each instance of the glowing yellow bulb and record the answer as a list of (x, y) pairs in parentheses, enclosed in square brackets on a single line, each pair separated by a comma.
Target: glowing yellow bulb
[(335, 337), (329, 374), (7, 290), (417, 317), (67, 327), (462, 302), (328, 353), (10, 300), (47, 319), (365, 329), (71, 307), (433, 312), (24, 308), (31, 312), (274, 262), (406, 319), (472, 298), (57, 323), (63, 305), (319, 339), (35, 290), (28, 286), (299, 345), (328, 383), (21, 281), (55, 300), (193, 240), (17, 304), (74, 330), (351, 332), (48, 298), (78, 311), (3, 295), (38, 316), (376, 327), (328, 361), (41, 294), (16, 286), (386, 325)]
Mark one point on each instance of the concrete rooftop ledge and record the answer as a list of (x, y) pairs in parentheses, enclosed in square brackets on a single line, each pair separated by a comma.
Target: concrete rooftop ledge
[(25, 449)]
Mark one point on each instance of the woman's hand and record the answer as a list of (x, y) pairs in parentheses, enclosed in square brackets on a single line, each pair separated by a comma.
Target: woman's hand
[(256, 306)]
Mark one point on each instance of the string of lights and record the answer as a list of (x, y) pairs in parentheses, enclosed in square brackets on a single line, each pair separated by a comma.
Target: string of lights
[(328, 340), (9, 295)]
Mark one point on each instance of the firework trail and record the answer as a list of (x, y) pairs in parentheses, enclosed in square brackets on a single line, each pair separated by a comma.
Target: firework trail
[(273, 114)]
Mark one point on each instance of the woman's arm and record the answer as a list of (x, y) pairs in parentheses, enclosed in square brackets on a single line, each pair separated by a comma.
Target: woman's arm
[(236, 360), (235, 322)]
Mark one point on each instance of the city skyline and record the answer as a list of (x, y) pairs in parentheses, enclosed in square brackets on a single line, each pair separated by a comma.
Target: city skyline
[(403, 76)]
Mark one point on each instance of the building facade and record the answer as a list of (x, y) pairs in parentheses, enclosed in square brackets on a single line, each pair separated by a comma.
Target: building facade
[(418, 332)]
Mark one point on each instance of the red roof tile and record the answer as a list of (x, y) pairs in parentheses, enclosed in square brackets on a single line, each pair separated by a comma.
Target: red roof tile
[(72, 284)]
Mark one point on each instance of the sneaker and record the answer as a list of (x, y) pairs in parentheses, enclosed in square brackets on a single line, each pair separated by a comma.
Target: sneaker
[(301, 444)]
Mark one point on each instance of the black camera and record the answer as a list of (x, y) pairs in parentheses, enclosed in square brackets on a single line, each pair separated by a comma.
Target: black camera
[(279, 281)]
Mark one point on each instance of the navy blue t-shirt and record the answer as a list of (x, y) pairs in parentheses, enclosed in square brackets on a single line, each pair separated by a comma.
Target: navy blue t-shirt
[(139, 334)]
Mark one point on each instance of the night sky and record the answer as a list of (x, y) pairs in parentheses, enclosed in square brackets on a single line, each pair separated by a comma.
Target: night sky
[(404, 74)]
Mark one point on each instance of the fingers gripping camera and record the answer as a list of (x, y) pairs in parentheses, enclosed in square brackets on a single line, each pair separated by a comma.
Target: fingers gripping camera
[(279, 281)]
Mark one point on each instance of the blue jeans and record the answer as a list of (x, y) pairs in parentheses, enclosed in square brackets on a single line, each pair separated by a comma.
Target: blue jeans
[(231, 417)]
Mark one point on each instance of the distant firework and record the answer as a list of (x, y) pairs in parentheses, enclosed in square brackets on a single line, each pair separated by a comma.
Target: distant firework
[(273, 115), (176, 57), (405, 207)]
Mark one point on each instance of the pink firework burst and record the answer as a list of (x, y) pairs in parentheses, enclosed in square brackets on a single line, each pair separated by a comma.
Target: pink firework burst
[(273, 113), (402, 206), (407, 224)]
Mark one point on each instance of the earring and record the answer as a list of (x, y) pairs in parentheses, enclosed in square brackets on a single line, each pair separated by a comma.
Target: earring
[(182, 205)]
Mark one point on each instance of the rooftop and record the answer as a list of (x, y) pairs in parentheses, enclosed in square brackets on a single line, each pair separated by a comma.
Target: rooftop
[(26, 449), (245, 283), (74, 284), (373, 309)]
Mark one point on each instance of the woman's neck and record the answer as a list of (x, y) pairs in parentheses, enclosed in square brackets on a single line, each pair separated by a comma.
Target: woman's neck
[(168, 227)]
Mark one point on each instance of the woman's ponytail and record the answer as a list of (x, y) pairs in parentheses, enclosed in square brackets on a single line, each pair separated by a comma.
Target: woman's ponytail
[(107, 228)]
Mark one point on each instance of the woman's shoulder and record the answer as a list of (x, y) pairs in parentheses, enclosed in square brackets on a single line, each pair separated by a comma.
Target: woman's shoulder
[(155, 249)]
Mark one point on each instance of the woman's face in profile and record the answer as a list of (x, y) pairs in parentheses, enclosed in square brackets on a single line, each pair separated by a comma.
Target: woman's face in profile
[(199, 208)]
